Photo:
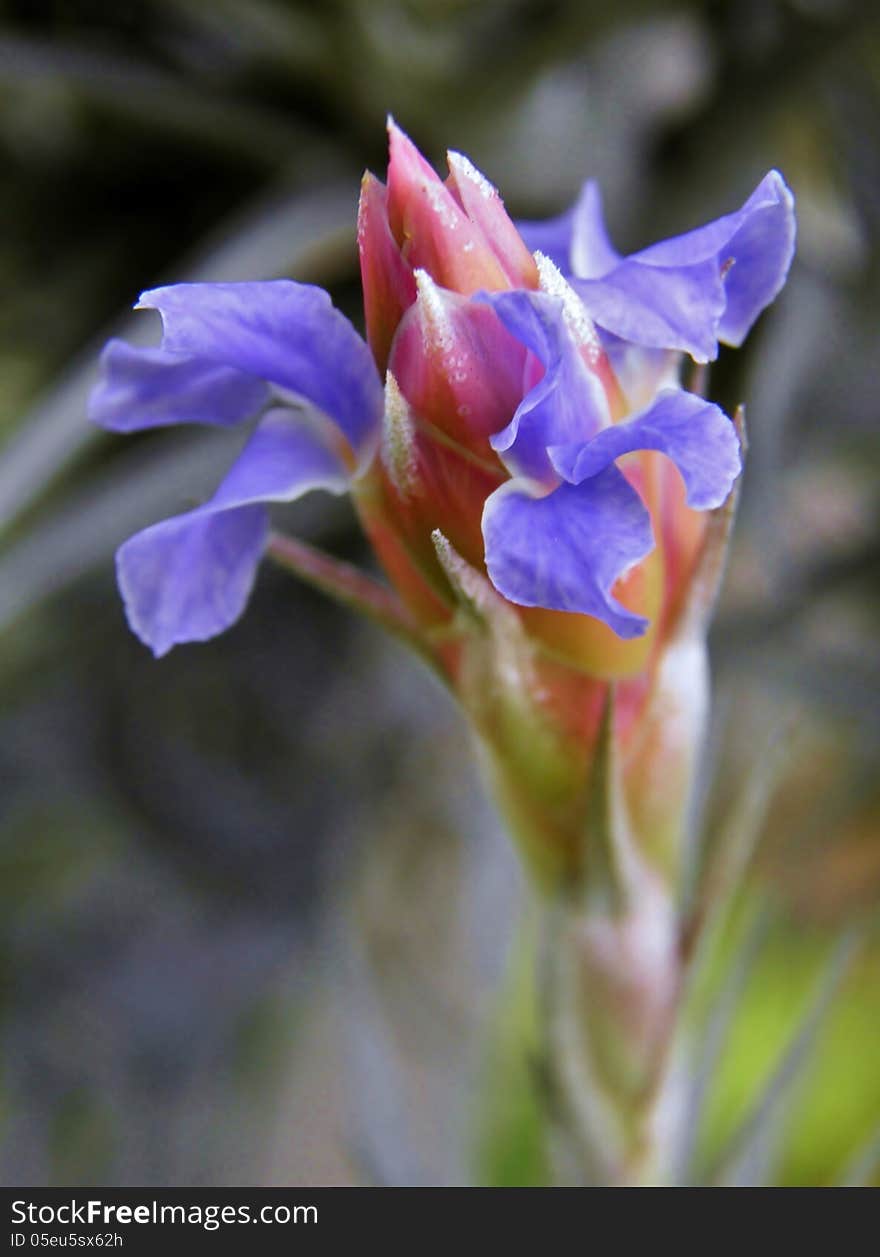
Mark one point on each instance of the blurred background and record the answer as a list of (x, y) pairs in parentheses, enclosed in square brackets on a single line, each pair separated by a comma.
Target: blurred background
[(255, 913)]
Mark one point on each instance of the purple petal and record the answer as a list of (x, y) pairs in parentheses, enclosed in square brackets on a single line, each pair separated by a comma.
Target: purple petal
[(707, 242), (592, 253), (568, 403), (659, 308), (695, 434), (151, 388), (762, 249), (754, 246), (288, 454), (550, 236), (686, 293), (287, 333), (188, 578), (577, 241), (564, 551)]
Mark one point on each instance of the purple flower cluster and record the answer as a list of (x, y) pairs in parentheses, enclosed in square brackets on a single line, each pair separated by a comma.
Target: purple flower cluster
[(592, 350)]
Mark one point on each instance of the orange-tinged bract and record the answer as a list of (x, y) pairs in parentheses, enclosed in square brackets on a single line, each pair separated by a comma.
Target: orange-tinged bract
[(388, 284), (432, 230)]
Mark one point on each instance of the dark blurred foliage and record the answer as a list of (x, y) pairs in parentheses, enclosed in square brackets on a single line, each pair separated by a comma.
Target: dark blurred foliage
[(254, 906)]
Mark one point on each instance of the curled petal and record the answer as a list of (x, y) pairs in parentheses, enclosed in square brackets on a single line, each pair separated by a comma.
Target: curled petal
[(703, 243), (695, 434), (752, 248), (592, 252), (567, 405), (152, 388), (659, 308), (287, 333), (564, 551), (288, 454), (762, 248), (686, 293), (188, 578)]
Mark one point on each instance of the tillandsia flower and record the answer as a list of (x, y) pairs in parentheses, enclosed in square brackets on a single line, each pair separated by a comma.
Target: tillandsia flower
[(515, 435), (687, 293)]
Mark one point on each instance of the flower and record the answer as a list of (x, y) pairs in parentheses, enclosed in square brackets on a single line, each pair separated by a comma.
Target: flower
[(538, 487), (687, 293), (487, 407), (231, 352)]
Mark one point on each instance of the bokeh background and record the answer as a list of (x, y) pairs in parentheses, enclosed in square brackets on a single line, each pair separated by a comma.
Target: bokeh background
[(255, 913)]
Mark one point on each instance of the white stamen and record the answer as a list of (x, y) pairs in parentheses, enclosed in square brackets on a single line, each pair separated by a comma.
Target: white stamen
[(438, 325), (510, 656), (577, 320), (466, 580), (398, 440), (463, 168)]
